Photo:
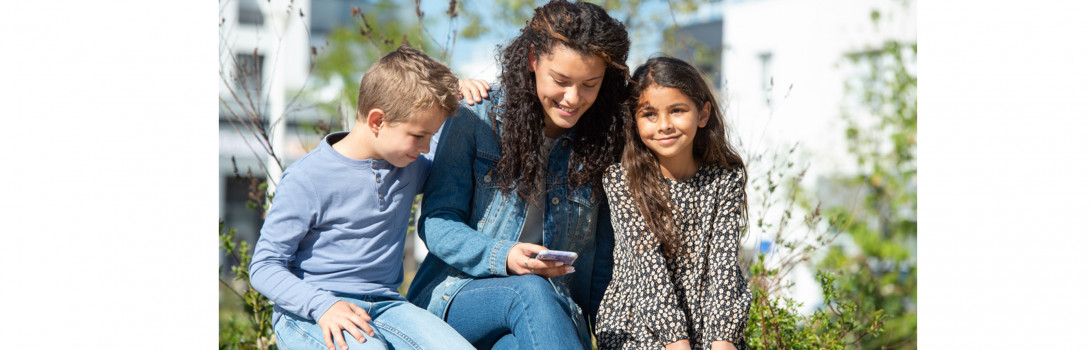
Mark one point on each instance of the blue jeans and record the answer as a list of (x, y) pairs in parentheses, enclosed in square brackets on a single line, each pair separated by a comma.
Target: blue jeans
[(398, 324), (515, 312)]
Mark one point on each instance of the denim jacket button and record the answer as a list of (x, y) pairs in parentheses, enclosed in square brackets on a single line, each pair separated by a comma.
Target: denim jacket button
[(564, 143), (488, 178), (556, 201)]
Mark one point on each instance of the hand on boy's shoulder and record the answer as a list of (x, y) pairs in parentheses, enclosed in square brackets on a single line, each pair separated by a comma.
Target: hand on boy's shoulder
[(473, 90)]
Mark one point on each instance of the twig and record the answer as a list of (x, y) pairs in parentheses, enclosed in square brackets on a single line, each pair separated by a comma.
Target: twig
[(232, 289), (677, 30)]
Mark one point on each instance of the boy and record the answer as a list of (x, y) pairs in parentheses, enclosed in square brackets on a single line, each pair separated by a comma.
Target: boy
[(329, 254)]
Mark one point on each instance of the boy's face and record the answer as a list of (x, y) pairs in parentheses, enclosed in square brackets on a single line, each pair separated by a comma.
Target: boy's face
[(401, 143)]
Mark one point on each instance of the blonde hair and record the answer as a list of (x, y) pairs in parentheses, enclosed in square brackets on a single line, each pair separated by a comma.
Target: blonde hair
[(406, 81)]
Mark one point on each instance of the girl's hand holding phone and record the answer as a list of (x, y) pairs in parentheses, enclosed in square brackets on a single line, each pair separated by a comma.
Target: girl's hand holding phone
[(521, 260)]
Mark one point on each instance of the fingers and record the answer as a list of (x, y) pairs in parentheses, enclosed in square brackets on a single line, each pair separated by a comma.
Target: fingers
[(338, 336), (473, 90), (326, 332), (467, 94), (355, 331), (353, 327), (344, 317), (544, 265), (518, 258), (520, 261), (333, 335), (360, 322), (550, 269), (481, 88), (336, 333), (366, 327), (530, 249), (362, 314)]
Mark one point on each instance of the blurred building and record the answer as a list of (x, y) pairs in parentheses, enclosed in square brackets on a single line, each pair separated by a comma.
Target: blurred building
[(263, 54), (703, 32)]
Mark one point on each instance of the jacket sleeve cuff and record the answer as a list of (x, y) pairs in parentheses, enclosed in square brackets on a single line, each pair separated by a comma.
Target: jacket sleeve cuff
[(498, 256)]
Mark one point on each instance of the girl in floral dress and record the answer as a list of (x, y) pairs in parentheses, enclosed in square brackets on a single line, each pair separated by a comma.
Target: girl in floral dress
[(678, 205)]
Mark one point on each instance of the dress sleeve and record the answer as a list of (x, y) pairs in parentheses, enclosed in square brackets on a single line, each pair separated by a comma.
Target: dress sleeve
[(657, 303), (728, 295), (448, 200), (290, 217)]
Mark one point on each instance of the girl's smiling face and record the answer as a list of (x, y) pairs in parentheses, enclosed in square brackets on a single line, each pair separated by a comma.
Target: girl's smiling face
[(567, 85), (667, 121)]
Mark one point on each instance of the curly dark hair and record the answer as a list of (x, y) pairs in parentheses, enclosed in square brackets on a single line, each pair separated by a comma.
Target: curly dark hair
[(649, 189), (598, 140)]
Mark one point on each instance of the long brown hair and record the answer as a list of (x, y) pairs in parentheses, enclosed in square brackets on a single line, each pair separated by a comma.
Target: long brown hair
[(584, 28), (649, 188)]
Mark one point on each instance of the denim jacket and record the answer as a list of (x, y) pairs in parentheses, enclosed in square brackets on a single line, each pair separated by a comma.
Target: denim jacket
[(469, 225)]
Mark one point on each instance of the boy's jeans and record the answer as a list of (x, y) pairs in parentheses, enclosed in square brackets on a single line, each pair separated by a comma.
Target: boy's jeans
[(514, 312), (398, 324)]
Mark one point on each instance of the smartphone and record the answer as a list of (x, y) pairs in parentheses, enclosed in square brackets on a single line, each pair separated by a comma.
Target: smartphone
[(557, 255)]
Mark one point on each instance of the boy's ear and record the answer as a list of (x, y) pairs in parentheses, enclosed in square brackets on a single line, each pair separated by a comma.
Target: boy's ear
[(376, 118), (705, 113)]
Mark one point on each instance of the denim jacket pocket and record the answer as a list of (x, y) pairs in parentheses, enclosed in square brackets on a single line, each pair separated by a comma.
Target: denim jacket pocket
[(581, 219), (585, 196), (486, 187)]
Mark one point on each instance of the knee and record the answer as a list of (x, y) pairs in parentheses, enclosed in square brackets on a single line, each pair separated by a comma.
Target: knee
[(534, 289)]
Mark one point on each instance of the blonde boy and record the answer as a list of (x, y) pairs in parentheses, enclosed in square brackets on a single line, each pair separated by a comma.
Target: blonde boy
[(330, 251)]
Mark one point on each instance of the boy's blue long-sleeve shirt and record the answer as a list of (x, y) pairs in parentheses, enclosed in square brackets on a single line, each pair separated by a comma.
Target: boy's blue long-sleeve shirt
[(335, 225)]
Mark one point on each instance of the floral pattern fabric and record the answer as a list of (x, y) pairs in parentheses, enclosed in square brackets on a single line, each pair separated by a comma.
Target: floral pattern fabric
[(699, 294)]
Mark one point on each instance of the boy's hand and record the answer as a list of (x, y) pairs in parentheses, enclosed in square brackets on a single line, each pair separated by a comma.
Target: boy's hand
[(520, 263), (473, 90), (347, 316)]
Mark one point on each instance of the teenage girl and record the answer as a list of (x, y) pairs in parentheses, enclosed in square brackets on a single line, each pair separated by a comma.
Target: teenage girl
[(518, 172), (678, 204)]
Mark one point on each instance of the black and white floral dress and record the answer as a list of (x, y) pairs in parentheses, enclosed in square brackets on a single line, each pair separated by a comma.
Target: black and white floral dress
[(701, 294)]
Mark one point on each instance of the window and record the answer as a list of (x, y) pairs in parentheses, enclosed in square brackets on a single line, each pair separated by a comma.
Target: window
[(766, 76), (250, 13), (248, 71)]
